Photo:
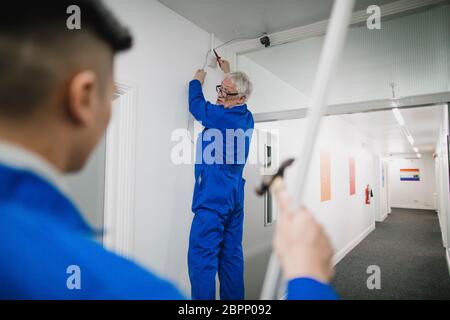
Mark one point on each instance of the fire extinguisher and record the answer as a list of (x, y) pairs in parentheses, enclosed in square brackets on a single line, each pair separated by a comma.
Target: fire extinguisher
[(367, 192)]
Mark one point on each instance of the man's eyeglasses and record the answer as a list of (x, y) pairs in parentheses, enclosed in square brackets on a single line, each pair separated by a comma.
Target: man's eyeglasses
[(220, 89)]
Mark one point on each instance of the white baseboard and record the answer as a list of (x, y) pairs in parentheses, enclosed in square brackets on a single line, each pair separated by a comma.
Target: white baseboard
[(399, 206), (344, 251)]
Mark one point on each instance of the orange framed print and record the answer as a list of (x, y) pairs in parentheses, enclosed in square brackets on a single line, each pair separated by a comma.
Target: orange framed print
[(325, 176), (352, 173)]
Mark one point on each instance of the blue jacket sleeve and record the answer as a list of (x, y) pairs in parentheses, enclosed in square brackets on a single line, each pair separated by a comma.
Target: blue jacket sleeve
[(203, 111), (310, 289)]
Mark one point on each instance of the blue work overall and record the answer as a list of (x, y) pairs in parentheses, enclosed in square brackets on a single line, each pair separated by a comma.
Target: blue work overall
[(215, 244)]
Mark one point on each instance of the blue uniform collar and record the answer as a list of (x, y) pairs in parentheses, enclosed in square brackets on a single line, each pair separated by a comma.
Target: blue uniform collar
[(28, 190), (240, 107)]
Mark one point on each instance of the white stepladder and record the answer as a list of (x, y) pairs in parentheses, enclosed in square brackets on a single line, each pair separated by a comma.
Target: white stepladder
[(333, 46)]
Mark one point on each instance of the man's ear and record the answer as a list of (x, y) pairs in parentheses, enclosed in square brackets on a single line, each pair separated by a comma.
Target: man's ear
[(242, 100), (82, 97)]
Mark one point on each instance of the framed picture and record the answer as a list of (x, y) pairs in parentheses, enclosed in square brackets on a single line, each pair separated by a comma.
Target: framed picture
[(409, 174)]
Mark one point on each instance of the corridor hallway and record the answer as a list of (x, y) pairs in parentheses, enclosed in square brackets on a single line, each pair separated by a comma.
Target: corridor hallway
[(407, 247)]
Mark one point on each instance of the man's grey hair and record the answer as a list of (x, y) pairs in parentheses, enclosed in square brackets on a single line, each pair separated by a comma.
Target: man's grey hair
[(243, 84)]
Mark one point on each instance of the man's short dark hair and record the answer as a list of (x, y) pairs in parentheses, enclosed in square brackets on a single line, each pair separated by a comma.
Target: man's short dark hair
[(26, 16), (37, 47)]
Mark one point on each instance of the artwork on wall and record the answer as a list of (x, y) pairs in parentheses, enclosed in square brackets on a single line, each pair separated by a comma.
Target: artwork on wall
[(325, 176), (352, 176), (409, 175)]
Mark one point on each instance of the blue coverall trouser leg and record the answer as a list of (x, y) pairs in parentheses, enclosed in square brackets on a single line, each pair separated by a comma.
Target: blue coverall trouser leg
[(231, 259), (215, 243)]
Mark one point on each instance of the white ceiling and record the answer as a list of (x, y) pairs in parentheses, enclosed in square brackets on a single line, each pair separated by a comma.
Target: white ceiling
[(230, 19), (423, 123)]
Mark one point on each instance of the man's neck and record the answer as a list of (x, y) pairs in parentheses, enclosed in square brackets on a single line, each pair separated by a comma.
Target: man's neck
[(35, 140), (17, 157)]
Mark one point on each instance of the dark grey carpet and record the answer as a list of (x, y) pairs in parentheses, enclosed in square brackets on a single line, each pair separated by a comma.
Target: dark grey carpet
[(407, 247)]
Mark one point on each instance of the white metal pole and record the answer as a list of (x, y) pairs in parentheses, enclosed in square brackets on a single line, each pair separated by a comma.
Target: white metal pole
[(334, 43)]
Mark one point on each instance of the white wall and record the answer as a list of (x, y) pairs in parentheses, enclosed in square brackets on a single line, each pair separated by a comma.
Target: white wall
[(413, 194), (168, 50), (380, 188), (345, 217), (270, 92)]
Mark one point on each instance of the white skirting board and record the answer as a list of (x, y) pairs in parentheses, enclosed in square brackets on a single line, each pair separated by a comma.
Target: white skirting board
[(344, 251), (416, 207)]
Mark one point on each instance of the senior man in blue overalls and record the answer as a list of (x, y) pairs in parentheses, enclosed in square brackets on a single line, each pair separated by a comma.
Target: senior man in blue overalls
[(215, 244)]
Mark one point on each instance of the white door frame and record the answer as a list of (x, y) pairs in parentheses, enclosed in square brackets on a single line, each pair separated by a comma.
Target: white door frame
[(377, 187), (120, 173)]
